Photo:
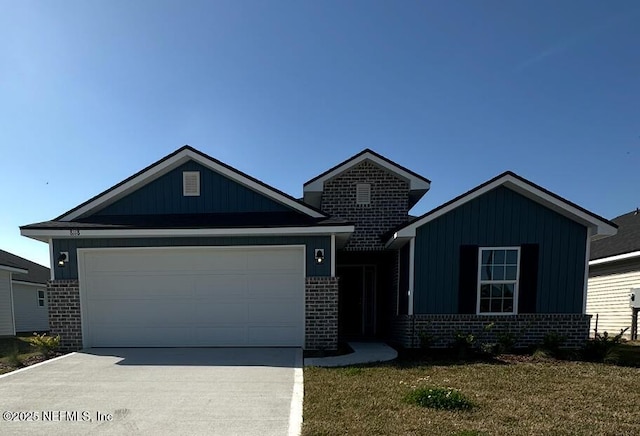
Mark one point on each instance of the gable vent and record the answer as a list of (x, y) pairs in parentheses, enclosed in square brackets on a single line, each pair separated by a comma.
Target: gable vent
[(191, 183), (363, 194)]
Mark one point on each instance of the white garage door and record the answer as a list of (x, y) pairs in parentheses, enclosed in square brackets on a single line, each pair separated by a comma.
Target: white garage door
[(179, 297)]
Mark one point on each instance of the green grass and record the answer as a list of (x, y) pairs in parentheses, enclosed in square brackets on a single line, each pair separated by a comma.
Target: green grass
[(546, 397)]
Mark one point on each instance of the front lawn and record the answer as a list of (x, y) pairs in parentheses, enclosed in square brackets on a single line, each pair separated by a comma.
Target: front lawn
[(514, 397)]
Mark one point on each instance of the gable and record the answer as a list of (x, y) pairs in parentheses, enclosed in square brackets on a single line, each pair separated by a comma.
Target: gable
[(501, 217), (218, 194)]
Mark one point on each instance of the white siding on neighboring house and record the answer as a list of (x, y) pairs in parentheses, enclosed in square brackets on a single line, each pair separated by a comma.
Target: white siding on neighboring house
[(29, 315), (6, 305), (608, 295)]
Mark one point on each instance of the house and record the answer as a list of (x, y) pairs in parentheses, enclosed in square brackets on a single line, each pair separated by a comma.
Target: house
[(23, 295), (192, 252), (614, 269)]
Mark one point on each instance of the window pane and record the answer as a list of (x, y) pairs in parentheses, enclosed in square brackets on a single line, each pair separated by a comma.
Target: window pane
[(510, 272), (484, 291), (508, 305), (41, 303), (496, 305), (484, 305), (40, 294), (487, 256), (498, 273), (498, 257), (508, 291), (496, 291), (485, 273), (512, 257)]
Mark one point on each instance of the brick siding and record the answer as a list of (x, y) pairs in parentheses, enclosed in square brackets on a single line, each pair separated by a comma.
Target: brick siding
[(530, 328), (64, 313), (321, 306), (389, 204)]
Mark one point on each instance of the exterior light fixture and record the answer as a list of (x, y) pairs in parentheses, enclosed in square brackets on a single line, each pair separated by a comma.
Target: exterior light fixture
[(319, 255), (63, 258)]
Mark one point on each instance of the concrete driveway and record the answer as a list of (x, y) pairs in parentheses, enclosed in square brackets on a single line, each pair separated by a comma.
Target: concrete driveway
[(157, 391)]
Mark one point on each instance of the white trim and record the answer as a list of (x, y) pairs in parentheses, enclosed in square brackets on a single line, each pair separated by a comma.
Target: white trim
[(20, 282), (141, 233), (80, 254), (412, 251), (44, 298), (333, 255), (175, 161), (51, 264), (615, 258), (516, 283), (415, 183), (297, 398), (600, 227), (587, 254), (13, 269), (13, 310)]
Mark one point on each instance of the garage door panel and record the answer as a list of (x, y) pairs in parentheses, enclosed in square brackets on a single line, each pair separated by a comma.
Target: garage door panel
[(225, 286), (194, 297), (285, 335)]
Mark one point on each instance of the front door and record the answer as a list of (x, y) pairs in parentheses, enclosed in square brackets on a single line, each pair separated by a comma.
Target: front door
[(357, 301)]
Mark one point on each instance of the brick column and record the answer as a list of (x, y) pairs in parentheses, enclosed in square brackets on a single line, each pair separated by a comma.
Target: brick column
[(321, 317), (64, 313)]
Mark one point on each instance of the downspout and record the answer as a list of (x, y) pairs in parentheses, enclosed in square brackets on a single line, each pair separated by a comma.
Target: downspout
[(412, 250)]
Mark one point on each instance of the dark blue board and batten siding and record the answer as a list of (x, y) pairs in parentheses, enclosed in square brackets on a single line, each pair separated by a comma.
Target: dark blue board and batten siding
[(218, 194), (500, 217), (70, 270)]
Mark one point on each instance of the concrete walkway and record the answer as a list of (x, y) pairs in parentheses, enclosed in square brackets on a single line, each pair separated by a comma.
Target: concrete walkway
[(363, 352)]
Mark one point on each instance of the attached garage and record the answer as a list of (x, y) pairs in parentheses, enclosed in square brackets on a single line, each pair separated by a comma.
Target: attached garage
[(192, 296)]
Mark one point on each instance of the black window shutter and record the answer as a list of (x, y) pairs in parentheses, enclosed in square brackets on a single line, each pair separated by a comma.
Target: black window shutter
[(528, 285), (468, 280)]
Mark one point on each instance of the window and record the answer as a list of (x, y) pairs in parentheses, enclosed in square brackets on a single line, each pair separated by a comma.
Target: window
[(191, 183), (363, 194), (40, 298), (498, 273)]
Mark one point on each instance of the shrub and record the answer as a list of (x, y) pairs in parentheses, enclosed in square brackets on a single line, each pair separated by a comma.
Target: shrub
[(426, 340), (602, 347), (13, 357), (45, 345), (439, 398), (552, 342)]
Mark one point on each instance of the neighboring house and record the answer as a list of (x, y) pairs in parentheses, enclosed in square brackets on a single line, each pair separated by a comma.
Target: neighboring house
[(23, 295), (192, 252), (614, 269)]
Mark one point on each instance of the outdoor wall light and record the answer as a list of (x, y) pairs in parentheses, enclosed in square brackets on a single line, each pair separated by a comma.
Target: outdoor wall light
[(319, 256), (63, 258)]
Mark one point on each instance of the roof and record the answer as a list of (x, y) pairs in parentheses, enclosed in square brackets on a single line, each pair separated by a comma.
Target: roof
[(189, 221), (418, 185), (627, 240), (172, 161), (36, 273), (600, 226)]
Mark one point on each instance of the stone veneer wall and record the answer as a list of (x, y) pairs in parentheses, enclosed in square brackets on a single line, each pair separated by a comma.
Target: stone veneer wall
[(64, 313), (530, 328), (389, 204), (321, 307)]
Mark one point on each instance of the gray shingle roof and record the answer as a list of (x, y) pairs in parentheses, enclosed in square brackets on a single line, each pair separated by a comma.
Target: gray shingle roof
[(626, 241), (37, 273)]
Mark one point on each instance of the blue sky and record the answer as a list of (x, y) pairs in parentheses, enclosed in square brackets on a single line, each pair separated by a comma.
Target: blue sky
[(92, 92)]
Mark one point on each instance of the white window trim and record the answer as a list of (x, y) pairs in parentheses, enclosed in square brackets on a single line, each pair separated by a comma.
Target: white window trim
[(186, 174), (480, 282), (44, 298)]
